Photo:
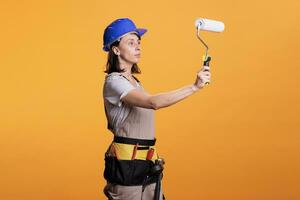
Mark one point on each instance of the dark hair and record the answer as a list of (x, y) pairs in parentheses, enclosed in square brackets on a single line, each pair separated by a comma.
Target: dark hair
[(113, 65)]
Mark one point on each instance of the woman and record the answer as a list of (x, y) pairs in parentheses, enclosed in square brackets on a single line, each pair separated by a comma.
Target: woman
[(131, 159)]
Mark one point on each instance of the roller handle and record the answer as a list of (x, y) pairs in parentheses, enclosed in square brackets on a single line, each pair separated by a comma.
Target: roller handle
[(206, 61)]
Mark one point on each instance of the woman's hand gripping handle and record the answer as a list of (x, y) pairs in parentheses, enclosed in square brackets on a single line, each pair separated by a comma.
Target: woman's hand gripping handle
[(203, 75)]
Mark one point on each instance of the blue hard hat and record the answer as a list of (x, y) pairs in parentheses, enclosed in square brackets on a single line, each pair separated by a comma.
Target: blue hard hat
[(117, 29)]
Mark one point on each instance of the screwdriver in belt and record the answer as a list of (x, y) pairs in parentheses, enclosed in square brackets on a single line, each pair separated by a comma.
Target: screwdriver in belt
[(150, 154), (134, 151)]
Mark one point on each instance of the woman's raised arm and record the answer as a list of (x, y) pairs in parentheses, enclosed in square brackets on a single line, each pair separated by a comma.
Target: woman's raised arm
[(138, 98)]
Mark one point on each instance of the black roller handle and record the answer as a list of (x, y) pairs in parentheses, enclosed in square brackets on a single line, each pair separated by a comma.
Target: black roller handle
[(206, 63)]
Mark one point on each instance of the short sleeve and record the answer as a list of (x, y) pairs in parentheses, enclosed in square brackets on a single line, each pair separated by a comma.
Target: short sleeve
[(115, 88)]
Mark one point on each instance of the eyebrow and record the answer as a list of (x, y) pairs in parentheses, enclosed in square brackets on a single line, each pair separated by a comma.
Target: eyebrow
[(132, 39)]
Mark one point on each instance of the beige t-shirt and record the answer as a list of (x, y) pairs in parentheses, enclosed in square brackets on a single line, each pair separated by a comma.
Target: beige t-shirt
[(123, 119)]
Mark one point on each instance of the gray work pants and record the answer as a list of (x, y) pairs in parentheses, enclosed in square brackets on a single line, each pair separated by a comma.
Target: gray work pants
[(120, 192)]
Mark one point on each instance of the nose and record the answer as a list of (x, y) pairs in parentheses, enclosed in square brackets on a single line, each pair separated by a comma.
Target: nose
[(138, 47)]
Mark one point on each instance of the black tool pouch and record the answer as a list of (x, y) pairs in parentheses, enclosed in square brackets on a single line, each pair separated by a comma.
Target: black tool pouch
[(128, 172)]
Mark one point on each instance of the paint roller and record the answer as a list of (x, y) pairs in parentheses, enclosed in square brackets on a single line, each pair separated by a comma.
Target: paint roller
[(207, 25)]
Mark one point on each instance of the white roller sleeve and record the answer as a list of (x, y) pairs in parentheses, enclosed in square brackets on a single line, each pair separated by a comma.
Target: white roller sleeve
[(209, 25)]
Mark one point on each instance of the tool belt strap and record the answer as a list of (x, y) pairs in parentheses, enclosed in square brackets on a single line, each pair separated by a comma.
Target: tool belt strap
[(126, 140)]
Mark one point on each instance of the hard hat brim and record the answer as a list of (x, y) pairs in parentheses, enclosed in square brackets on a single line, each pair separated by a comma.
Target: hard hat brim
[(139, 31)]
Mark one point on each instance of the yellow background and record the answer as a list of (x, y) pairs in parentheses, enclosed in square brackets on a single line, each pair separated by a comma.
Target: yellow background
[(237, 139)]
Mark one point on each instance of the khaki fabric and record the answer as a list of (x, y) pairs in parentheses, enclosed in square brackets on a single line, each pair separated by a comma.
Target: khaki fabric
[(122, 119), (119, 192)]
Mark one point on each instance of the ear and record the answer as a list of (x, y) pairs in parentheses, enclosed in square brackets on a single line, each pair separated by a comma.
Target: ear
[(116, 50)]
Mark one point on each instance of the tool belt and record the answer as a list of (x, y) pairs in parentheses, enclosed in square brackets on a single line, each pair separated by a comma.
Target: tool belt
[(129, 161)]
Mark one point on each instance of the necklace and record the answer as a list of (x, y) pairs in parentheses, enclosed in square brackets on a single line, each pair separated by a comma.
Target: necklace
[(129, 77)]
